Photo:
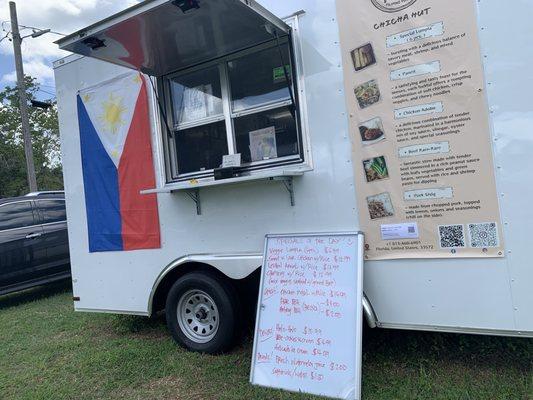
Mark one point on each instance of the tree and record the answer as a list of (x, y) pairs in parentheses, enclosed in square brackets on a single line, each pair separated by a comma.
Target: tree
[(45, 138)]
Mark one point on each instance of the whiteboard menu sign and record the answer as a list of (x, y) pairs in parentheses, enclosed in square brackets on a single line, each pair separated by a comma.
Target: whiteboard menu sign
[(309, 318)]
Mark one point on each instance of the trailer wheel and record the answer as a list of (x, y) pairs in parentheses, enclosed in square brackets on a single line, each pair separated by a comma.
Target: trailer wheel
[(202, 313)]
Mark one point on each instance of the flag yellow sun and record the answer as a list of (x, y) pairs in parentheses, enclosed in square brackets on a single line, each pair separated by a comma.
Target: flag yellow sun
[(113, 111)]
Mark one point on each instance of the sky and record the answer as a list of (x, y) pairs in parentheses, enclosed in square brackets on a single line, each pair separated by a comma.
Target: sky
[(62, 16)]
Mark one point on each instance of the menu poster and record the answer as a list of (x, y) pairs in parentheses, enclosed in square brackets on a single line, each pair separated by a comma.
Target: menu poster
[(420, 129), (263, 144), (309, 320)]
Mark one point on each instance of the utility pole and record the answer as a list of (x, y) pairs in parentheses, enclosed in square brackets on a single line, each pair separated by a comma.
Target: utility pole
[(26, 134)]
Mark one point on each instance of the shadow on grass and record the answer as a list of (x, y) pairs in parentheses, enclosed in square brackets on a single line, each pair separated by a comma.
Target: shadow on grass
[(413, 348), (34, 294), (408, 348), (131, 326)]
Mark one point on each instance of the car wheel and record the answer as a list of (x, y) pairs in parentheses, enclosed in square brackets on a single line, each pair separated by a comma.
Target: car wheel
[(203, 313)]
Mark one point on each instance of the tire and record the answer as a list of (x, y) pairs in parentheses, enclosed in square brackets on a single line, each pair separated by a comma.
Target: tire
[(203, 314)]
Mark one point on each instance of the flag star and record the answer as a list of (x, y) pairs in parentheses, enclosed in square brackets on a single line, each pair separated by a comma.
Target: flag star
[(113, 113)]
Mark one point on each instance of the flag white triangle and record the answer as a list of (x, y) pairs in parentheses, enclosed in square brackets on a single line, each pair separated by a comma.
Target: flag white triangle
[(110, 106)]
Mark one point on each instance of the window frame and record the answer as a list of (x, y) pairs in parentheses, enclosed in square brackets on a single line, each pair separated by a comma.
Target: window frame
[(169, 145), (36, 219), (41, 215), (168, 96)]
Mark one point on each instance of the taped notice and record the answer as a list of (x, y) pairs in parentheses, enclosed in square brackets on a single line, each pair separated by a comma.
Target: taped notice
[(231, 160), (407, 230)]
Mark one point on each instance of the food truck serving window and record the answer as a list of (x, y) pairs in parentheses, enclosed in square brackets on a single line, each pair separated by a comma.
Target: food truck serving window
[(239, 104), (226, 75)]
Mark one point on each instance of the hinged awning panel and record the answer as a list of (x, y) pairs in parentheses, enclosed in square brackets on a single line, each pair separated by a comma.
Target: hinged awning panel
[(162, 36)]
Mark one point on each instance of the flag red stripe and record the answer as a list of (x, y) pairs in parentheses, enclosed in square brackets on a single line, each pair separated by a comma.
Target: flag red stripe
[(140, 217)]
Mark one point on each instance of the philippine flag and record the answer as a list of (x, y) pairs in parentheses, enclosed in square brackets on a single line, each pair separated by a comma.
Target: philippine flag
[(117, 163)]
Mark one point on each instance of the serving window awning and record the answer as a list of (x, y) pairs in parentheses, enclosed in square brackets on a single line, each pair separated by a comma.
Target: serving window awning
[(161, 36)]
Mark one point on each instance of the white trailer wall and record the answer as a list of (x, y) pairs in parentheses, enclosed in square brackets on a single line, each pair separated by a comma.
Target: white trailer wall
[(234, 218), (484, 294), (453, 295), (505, 32)]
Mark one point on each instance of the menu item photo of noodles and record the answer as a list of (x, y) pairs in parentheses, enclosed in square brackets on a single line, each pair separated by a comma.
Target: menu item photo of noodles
[(367, 93)]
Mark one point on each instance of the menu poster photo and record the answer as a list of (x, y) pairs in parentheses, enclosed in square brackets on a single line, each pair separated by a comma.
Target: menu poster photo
[(263, 144)]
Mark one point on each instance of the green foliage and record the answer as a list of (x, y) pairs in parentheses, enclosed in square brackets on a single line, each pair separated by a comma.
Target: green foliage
[(45, 137)]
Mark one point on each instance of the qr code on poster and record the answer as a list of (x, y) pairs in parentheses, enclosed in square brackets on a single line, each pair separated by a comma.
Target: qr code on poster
[(452, 236), (483, 235)]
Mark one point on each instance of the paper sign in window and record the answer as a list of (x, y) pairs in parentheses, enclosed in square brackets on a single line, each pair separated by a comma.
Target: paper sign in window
[(263, 144)]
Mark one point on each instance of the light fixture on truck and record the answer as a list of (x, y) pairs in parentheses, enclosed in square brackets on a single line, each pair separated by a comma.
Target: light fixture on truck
[(94, 43), (186, 5)]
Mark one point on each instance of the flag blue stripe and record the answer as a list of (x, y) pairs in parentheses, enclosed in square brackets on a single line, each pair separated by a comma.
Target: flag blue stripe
[(100, 177)]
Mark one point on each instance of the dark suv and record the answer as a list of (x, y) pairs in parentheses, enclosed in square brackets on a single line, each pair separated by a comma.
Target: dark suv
[(33, 241)]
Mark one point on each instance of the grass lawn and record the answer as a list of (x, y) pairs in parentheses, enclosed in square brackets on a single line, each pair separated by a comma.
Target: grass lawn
[(49, 352)]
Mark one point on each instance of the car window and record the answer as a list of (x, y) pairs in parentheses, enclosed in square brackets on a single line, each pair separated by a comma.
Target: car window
[(52, 211), (16, 215)]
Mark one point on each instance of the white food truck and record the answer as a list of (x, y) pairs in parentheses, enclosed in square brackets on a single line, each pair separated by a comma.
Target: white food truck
[(190, 129)]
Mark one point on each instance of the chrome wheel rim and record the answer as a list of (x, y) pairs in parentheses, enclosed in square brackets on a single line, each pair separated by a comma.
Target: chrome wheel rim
[(198, 316)]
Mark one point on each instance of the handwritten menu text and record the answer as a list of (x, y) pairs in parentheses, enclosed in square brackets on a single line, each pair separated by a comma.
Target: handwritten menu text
[(305, 338)]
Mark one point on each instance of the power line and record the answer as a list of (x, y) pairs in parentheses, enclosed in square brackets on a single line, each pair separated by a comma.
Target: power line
[(44, 91), (5, 37), (8, 32)]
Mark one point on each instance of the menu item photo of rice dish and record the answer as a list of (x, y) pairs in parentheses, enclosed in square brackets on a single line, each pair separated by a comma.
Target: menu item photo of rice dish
[(367, 93), (380, 206), (372, 131)]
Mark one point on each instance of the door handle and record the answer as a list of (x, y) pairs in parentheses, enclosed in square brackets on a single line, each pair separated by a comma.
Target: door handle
[(33, 235)]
